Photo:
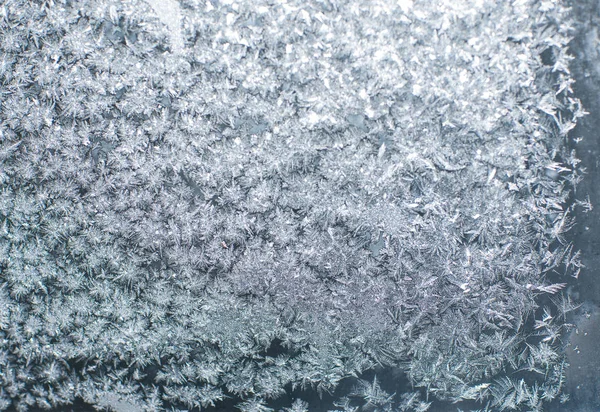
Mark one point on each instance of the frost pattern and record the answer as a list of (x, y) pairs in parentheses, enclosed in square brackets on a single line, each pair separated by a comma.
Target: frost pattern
[(301, 192)]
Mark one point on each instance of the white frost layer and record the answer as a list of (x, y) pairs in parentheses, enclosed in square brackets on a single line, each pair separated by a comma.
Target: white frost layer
[(168, 12)]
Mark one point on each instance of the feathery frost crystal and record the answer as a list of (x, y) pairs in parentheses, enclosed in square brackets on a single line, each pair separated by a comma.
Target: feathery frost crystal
[(281, 195)]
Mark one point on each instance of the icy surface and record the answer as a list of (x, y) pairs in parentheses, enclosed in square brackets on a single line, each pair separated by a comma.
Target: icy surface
[(307, 190)]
